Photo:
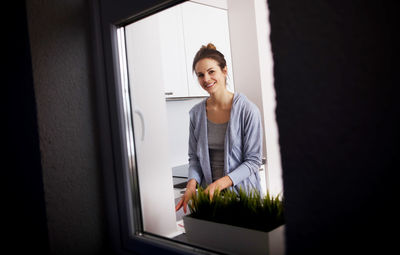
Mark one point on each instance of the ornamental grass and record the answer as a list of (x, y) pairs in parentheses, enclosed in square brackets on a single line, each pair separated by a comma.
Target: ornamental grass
[(247, 210)]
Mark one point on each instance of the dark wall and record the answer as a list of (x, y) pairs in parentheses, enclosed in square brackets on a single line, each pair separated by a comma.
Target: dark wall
[(62, 67), (23, 227), (336, 112)]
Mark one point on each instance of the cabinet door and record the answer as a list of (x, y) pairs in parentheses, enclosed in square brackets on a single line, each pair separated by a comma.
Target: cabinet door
[(150, 126), (201, 25), (172, 52)]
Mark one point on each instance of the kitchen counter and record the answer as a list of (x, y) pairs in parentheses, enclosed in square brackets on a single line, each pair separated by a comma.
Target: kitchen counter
[(179, 177), (180, 171)]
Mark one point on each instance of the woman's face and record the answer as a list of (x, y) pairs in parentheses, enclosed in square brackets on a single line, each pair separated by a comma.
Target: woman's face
[(210, 76)]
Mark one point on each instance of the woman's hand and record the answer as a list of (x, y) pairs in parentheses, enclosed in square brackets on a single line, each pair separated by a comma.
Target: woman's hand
[(219, 184), (190, 190)]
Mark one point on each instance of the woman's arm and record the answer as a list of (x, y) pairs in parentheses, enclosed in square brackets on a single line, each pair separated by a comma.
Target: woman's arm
[(190, 190), (194, 164), (252, 142), (220, 184)]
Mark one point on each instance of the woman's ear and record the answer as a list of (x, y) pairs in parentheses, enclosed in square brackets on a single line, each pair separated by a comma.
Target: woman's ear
[(225, 72)]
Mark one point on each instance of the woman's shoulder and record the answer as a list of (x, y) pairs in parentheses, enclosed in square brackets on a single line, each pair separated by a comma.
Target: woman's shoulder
[(197, 108), (246, 104)]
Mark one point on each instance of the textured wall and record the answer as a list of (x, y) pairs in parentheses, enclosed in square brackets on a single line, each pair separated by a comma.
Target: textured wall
[(60, 44), (336, 112)]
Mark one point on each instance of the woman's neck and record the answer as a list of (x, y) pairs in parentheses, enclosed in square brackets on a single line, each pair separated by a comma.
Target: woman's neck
[(221, 99)]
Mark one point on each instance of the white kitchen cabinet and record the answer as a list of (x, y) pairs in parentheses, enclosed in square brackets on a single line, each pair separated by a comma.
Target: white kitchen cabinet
[(183, 30), (150, 127), (203, 24), (172, 53)]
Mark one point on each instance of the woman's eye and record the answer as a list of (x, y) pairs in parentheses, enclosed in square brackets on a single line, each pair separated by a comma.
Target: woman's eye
[(211, 71), (200, 75)]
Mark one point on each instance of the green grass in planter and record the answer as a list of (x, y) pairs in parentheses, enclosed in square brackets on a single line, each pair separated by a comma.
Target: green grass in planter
[(242, 209)]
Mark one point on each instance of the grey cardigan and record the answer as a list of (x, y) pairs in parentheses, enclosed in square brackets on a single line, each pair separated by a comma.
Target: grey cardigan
[(242, 147)]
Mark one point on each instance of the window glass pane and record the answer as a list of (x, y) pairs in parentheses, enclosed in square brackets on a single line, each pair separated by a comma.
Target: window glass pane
[(160, 88)]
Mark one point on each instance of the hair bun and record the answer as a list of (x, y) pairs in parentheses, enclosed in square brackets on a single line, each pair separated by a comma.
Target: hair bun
[(209, 46), (209, 51)]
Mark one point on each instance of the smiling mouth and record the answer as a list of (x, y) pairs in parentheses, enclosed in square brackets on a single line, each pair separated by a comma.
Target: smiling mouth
[(209, 85)]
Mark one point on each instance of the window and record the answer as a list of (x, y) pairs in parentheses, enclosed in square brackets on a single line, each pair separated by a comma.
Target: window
[(145, 89)]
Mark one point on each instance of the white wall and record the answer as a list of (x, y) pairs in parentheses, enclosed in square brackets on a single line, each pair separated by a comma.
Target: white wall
[(178, 129), (274, 166), (252, 66)]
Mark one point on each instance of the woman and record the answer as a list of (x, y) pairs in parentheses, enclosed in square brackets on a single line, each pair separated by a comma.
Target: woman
[(225, 141)]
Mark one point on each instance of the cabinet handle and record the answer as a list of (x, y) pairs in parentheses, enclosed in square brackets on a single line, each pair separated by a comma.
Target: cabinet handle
[(139, 112), (169, 93)]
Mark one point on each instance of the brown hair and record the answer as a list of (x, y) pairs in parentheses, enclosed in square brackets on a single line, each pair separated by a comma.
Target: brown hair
[(209, 51)]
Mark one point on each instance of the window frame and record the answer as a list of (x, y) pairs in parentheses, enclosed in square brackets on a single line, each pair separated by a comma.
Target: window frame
[(121, 189)]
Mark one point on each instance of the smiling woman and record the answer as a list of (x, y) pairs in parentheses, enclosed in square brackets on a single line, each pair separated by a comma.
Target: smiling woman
[(210, 67), (146, 51), (231, 119)]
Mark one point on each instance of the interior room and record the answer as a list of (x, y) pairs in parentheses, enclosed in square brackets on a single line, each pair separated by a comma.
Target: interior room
[(333, 84), (159, 49)]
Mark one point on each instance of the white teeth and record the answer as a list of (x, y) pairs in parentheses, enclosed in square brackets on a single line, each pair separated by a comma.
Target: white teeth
[(210, 85)]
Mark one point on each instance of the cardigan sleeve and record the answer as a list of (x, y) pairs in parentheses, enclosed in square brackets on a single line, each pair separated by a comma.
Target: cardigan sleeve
[(251, 147), (194, 164)]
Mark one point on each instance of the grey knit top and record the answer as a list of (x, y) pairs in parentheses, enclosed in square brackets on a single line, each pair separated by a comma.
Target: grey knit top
[(216, 141)]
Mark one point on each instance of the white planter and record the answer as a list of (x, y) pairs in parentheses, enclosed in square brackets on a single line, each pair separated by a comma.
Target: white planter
[(233, 240)]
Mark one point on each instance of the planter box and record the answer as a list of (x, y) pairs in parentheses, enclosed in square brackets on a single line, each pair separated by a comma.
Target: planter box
[(233, 240)]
